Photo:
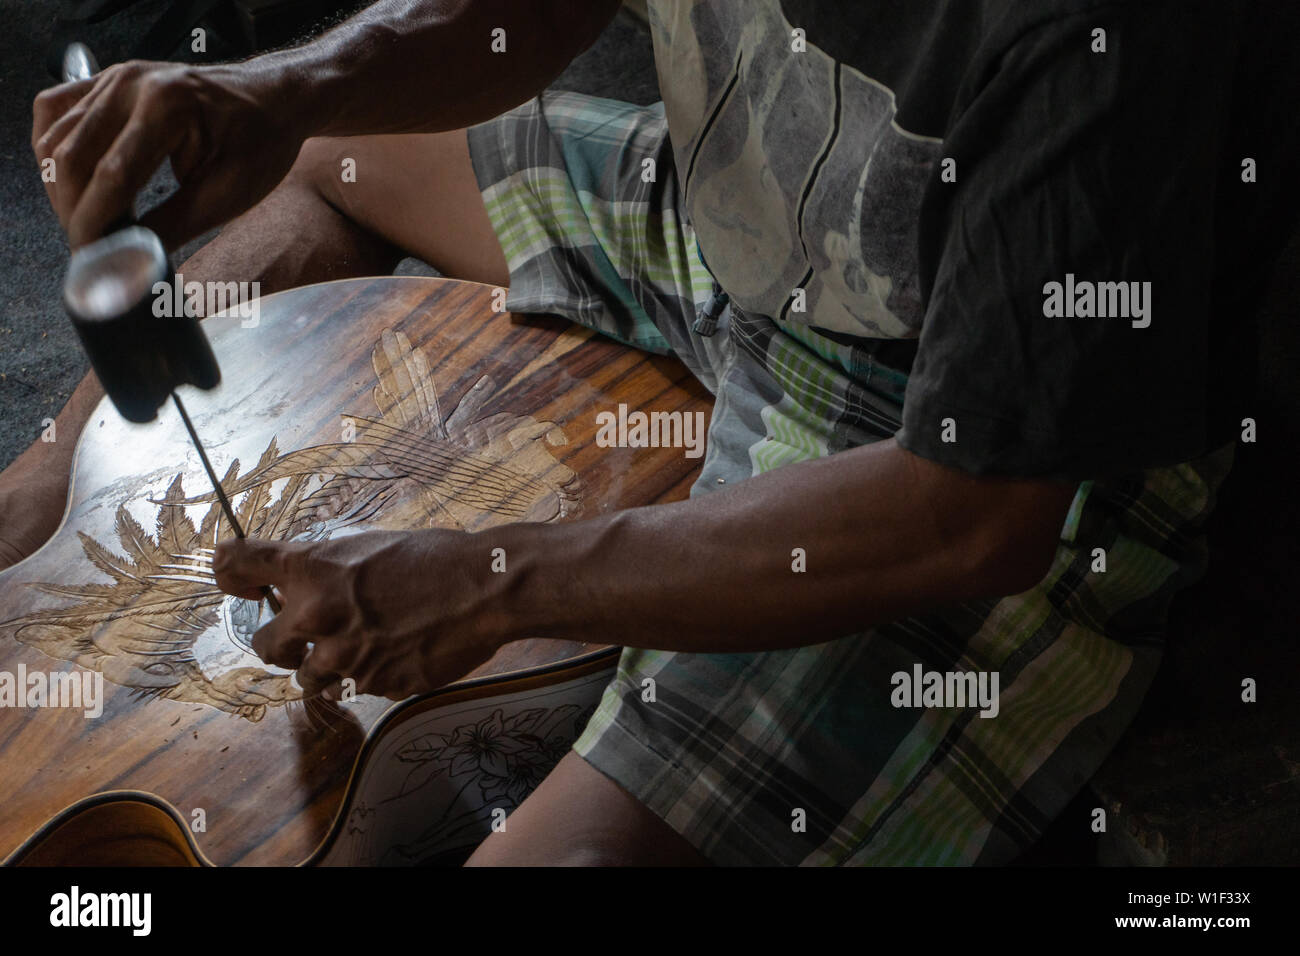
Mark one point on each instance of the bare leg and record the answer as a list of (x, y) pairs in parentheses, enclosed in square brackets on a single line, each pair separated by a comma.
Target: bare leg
[(35, 485), (579, 817), (413, 195), (418, 192)]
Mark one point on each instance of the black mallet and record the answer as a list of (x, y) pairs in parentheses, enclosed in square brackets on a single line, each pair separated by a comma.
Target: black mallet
[(139, 357)]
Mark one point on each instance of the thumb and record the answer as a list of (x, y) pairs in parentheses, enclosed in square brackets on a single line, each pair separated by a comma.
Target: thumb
[(242, 566)]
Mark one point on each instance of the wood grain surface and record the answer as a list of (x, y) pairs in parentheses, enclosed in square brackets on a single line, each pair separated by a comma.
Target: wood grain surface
[(369, 403)]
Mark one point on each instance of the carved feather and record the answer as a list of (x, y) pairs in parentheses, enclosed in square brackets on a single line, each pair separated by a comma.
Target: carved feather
[(404, 392)]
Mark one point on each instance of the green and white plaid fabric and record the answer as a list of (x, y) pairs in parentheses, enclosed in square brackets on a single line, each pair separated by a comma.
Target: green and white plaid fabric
[(799, 756)]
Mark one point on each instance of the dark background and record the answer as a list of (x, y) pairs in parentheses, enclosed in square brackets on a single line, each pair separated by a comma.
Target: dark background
[(40, 360), (1202, 778)]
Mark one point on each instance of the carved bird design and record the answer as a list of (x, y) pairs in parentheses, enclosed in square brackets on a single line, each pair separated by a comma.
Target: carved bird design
[(496, 466), (148, 628)]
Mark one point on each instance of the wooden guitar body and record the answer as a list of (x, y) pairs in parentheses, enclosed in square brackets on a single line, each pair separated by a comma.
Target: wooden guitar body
[(346, 406)]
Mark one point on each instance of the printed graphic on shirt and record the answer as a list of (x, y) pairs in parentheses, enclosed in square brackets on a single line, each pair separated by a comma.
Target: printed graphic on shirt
[(802, 188)]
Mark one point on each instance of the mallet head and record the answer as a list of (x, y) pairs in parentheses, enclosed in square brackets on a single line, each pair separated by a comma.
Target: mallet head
[(139, 352)]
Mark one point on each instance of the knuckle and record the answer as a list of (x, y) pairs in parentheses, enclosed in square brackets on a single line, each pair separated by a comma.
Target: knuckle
[(283, 650), (270, 653), (157, 87), (42, 114), (282, 657), (328, 657), (298, 559), (151, 85), (127, 68), (223, 560), (111, 76)]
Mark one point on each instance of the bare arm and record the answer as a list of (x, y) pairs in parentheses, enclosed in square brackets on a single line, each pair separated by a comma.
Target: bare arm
[(883, 534), (232, 131), (404, 66), (886, 534)]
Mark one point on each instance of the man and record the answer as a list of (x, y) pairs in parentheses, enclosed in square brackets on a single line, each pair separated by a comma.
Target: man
[(950, 269)]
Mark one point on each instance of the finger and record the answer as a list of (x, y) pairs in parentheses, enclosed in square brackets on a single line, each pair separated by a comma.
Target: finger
[(56, 131), (279, 643), (242, 566), (48, 132), (332, 692), (135, 154), (79, 141), (44, 149), (50, 104)]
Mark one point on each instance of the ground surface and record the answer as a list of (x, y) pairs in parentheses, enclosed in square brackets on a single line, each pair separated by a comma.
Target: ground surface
[(40, 360)]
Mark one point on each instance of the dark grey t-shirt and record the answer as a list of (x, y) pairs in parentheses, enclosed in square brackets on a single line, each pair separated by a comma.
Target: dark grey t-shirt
[(1047, 204)]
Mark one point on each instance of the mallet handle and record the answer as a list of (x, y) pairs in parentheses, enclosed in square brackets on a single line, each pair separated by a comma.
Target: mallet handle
[(271, 602)]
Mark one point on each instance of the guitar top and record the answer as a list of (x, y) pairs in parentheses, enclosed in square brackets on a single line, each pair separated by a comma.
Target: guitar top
[(393, 403)]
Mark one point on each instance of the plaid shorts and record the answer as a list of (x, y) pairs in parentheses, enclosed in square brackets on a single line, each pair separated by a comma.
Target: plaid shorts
[(799, 756)]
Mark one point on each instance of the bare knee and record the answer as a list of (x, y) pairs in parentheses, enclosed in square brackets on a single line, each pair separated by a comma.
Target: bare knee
[(579, 817), (500, 850), (320, 168), (417, 191)]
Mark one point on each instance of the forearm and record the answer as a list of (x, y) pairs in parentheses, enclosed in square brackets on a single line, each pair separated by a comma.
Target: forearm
[(426, 65), (881, 534), (884, 533)]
